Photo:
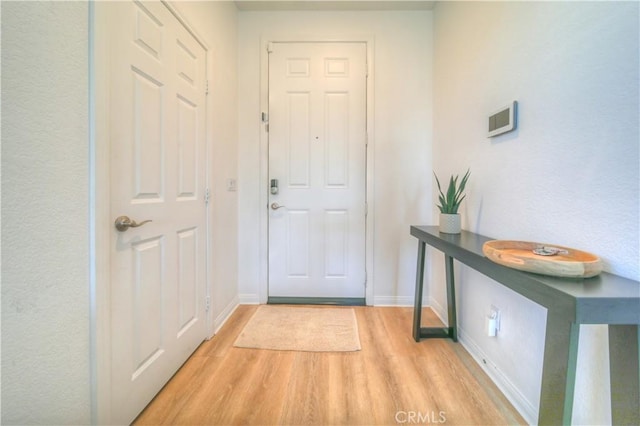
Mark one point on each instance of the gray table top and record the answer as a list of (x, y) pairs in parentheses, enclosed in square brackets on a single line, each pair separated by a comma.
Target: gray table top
[(603, 299)]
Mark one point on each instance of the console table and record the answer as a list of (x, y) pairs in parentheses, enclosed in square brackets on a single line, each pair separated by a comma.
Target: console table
[(604, 299)]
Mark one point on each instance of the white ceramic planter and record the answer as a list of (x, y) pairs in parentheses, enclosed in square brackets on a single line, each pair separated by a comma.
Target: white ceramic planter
[(450, 223)]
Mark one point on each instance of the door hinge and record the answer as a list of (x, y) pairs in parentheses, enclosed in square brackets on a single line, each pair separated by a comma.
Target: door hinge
[(366, 209), (269, 47), (206, 87), (265, 117), (207, 196), (207, 303)]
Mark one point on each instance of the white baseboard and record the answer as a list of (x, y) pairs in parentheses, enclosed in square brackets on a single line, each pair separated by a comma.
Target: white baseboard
[(439, 310), (223, 316), (392, 301), (249, 299)]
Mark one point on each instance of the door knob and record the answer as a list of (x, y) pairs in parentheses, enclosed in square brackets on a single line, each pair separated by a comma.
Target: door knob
[(276, 206), (123, 223)]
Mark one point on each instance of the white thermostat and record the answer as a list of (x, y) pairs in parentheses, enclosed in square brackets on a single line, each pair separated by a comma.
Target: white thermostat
[(503, 120)]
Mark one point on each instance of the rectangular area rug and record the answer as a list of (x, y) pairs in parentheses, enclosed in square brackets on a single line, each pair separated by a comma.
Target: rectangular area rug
[(294, 328)]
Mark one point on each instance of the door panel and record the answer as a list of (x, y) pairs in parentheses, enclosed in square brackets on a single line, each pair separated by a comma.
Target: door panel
[(147, 286), (148, 137), (337, 239), (187, 279), (298, 139), (317, 151), (157, 129), (337, 139), (187, 149)]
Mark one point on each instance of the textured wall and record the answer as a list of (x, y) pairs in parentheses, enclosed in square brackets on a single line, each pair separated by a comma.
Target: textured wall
[(45, 291), (401, 143), (569, 175)]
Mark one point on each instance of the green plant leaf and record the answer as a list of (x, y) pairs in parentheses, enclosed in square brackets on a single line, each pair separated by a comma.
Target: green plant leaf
[(450, 202), (443, 203)]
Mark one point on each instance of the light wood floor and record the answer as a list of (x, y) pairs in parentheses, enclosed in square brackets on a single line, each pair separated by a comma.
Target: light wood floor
[(392, 380)]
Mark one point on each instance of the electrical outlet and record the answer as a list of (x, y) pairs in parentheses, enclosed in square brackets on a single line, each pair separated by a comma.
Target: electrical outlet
[(495, 313), (492, 322)]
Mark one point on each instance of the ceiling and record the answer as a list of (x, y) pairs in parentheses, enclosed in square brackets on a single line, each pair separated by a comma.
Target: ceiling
[(276, 5)]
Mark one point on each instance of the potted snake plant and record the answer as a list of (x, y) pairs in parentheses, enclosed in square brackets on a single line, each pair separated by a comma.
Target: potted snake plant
[(450, 202)]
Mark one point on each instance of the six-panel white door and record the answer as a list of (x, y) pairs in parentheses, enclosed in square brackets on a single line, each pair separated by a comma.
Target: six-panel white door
[(317, 153), (157, 142)]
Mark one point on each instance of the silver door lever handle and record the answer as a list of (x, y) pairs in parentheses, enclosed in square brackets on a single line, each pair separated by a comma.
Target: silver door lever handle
[(276, 206), (123, 223)]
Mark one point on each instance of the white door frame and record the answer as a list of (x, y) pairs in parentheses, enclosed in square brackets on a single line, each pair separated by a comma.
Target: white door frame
[(100, 220), (263, 288)]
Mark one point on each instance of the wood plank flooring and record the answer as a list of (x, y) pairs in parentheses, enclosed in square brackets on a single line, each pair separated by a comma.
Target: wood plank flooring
[(392, 380)]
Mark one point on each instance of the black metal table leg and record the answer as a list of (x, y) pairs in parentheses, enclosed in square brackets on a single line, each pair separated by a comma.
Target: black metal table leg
[(417, 303), (434, 332), (451, 299), (624, 369), (559, 369)]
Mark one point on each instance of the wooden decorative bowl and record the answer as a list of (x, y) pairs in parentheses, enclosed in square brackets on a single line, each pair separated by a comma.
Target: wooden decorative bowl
[(545, 259)]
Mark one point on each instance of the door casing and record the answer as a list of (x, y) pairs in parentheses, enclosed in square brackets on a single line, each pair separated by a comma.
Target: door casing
[(264, 153), (100, 220)]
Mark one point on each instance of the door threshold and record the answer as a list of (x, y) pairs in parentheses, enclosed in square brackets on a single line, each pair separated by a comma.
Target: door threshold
[(337, 301)]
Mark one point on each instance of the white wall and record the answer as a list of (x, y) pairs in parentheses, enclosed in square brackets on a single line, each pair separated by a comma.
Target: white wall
[(45, 213), (216, 23), (569, 175), (401, 141)]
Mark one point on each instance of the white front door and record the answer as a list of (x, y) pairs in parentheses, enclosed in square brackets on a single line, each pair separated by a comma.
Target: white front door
[(317, 155), (157, 142)]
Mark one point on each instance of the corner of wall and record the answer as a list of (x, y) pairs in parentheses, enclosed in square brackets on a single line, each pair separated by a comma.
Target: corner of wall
[(224, 315)]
